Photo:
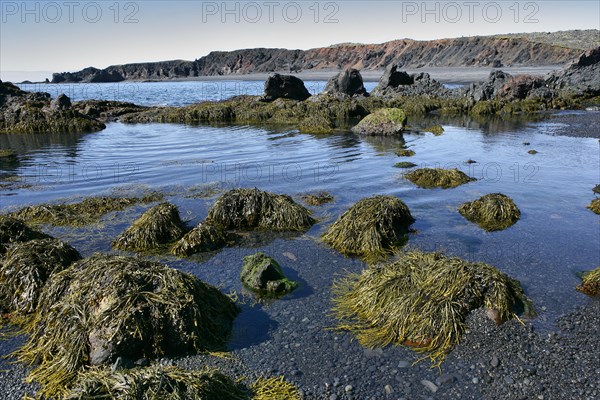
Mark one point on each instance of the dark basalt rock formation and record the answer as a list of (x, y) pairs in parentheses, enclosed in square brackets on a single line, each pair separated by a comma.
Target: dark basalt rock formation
[(348, 82), (285, 87), (399, 83), (581, 78)]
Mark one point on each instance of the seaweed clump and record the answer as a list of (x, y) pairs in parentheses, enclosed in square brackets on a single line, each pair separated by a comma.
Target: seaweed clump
[(492, 212), (317, 199), (405, 165), (275, 388), (590, 283), (422, 300), (595, 206), (263, 275), (204, 237), (437, 177), (26, 268), (15, 231), (370, 228), (105, 307), (437, 130), (158, 226), (155, 382), (253, 208), (79, 214)]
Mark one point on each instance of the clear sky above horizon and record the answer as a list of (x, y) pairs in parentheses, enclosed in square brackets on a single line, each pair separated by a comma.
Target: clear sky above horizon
[(42, 36)]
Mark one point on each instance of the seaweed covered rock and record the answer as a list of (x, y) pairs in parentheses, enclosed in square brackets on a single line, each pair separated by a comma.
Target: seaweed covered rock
[(105, 307), (285, 87), (158, 226), (590, 283), (595, 206), (317, 199), (26, 268), (155, 382), (492, 212), (405, 153), (81, 213), (204, 237), (347, 82), (430, 178), (370, 228), (253, 208), (263, 275), (437, 130), (384, 121), (405, 165), (15, 231), (422, 300), (27, 112)]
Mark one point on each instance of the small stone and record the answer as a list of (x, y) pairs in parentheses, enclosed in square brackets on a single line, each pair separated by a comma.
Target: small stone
[(509, 380), (527, 381), (333, 397), (348, 388), (336, 382), (429, 385), (475, 380), (403, 364), (445, 379), (388, 389), (495, 362), (532, 152)]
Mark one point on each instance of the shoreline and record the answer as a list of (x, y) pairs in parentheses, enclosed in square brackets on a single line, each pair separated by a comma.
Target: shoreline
[(449, 75)]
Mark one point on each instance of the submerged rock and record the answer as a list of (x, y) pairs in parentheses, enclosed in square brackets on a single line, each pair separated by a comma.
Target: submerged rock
[(318, 199), (430, 178), (422, 300), (370, 228), (285, 87), (106, 307), (263, 274), (384, 122), (347, 82), (158, 226), (26, 268), (492, 212)]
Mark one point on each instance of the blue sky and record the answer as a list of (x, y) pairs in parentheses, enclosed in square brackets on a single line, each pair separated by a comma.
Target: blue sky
[(65, 35)]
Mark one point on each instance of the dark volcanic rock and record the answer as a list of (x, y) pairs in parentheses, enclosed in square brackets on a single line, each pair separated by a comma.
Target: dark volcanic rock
[(348, 82), (285, 87), (519, 87), (62, 102), (489, 89), (400, 83), (581, 78)]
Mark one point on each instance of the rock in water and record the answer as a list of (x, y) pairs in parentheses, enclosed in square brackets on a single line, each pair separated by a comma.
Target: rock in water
[(285, 87), (263, 274), (348, 82), (384, 122)]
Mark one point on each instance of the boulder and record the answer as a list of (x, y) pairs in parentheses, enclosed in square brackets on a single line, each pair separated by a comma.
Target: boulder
[(519, 87), (62, 102), (383, 122), (348, 82), (285, 87), (263, 274), (489, 89)]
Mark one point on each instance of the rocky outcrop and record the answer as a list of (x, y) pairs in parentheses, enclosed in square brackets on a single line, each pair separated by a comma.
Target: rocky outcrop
[(347, 82), (581, 78), (479, 51), (26, 112), (489, 89), (285, 87), (399, 83)]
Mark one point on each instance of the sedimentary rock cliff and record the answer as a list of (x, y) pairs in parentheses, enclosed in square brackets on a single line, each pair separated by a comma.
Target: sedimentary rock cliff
[(493, 51)]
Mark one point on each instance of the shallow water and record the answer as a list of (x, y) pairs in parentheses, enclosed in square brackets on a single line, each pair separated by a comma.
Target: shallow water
[(556, 236)]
